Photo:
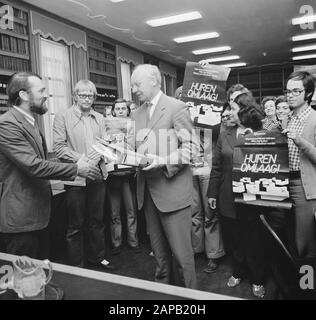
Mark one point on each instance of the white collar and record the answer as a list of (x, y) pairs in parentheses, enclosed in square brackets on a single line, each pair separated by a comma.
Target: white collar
[(27, 116)]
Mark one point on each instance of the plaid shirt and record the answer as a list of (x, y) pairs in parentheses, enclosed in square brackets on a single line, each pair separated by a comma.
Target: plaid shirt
[(297, 123), (270, 124)]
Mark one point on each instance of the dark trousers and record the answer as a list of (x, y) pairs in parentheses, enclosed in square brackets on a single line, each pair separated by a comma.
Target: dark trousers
[(304, 212), (85, 232), (119, 190), (170, 236), (244, 238), (34, 244)]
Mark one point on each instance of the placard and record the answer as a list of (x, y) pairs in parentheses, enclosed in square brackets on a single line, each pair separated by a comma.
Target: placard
[(204, 91), (261, 167)]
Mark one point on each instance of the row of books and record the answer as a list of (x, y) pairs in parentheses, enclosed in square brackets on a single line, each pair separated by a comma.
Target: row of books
[(101, 66), (15, 64), (96, 78), (100, 43), (20, 14), (101, 54), (20, 28), (13, 44)]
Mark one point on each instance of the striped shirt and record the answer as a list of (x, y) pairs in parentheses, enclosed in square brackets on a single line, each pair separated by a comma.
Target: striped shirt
[(297, 123)]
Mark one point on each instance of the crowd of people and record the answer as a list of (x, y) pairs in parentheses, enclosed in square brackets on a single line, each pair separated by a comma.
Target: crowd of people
[(189, 205)]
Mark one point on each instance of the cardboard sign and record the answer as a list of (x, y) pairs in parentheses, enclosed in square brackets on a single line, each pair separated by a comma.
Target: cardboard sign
[(261, 167), (204, 92), (115, 132), (116, 129)]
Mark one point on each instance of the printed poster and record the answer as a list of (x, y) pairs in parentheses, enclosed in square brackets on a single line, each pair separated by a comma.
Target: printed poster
[(115, 132), (204, 91), (261, 167)]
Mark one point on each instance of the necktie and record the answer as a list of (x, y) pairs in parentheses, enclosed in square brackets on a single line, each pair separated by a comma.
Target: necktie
[(148, 109)]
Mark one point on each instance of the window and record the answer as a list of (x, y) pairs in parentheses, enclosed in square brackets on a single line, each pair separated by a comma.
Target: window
[(56, 74), (126, 80)]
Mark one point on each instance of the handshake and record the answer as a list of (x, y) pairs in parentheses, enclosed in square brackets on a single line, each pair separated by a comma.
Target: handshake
[(89, 169)]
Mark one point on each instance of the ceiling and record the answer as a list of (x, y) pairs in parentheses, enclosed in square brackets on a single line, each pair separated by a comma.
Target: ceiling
[(259, 31)]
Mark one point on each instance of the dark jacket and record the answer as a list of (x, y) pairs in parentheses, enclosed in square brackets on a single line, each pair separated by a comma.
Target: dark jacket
[(25, 191), (220, 185)]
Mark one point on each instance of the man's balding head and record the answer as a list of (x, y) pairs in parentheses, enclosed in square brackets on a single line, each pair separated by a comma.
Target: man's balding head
[(146, 81)]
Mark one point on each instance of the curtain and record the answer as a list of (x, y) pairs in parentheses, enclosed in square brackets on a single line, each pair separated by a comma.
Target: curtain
[(169, 76), (57, 30), (78, 64), (53, 61), (126, 60), (124, 54), (126, 80), (35, 55), (163, 84), (55, 68)]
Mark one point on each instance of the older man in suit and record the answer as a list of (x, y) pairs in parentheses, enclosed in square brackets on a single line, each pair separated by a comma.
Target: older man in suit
[(25, 191), (163, 131)]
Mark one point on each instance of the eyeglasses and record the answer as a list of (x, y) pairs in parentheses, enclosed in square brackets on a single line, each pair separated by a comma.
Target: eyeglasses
[(295, 92), (85, 96)]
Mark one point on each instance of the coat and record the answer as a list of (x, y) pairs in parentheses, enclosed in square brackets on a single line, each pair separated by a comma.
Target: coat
[(25, 192), (220, 185), (168, 130)]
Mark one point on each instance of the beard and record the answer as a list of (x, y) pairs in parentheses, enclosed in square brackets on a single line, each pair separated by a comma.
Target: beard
[(39, 108)]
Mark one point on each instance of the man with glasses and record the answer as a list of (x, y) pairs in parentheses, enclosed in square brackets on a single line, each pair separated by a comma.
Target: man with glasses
[(300, 128), (75, 130)]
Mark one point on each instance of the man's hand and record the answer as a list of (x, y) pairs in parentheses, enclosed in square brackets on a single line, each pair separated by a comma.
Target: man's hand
[(204, 63), (157, 162), (212, 203), (87, 170), (292, 134)]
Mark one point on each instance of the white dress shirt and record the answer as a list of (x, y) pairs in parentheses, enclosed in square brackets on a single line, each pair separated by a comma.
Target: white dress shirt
[(154, 102)]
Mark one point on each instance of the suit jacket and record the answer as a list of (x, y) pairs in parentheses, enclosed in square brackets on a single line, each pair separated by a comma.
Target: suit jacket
[(220, 185), (25, 191), (307, 155), (169, 135)]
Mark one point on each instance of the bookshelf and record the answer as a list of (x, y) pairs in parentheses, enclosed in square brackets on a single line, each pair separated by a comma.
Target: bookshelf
[(102, 70), (14, 49), (264, 81)]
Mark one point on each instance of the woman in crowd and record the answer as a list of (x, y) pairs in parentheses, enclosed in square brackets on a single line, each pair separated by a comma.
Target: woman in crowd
[(107, 112), (282, 108), (131, 105), (270, 122), (227, 121), (237, 222), (119, 189)]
